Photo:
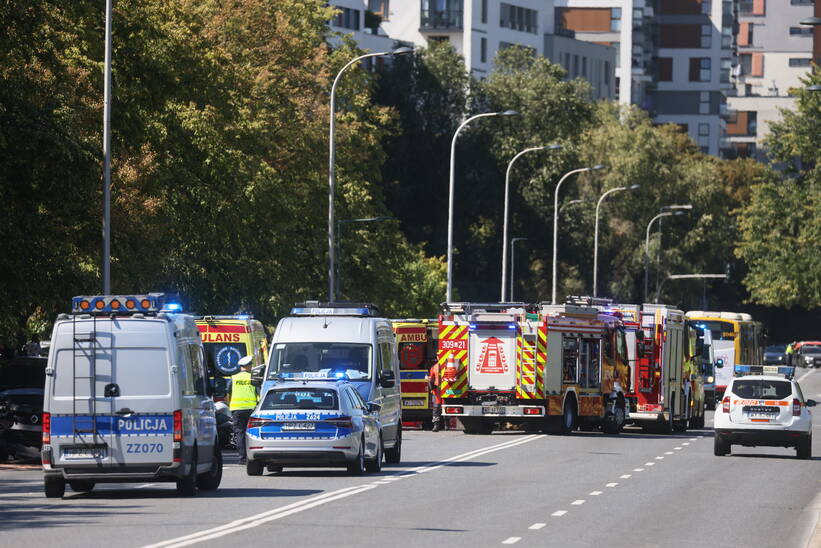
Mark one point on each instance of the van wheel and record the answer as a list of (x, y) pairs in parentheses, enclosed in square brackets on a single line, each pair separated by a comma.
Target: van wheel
[(211, 479), (569, 416), (81, 486), (253, 467), (55, 487), (394, 454), (375, 464), (357, 466), (187, 485)]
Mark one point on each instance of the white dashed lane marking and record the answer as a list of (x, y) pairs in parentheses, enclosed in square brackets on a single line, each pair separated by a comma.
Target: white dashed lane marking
[(577, 502), (611, 484), (537, 526), (559, 513), (638, 469), (677, 448), (659, 458), (668, 452), (511, 540), (649, 464), (595, 493), (624, 476)]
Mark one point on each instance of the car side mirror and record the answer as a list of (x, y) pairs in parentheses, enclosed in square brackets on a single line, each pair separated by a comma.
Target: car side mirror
[(719, 363), (257, 374), (374, 407), (387, 379), (810, 403)]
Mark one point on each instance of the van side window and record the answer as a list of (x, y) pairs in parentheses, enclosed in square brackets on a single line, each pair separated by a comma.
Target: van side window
[(386, 360), (197, 369), (186, 378)]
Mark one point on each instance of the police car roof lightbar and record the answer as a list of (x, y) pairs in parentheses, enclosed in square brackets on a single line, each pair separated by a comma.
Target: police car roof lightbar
[(786, 371), (152, 303), (316, 308)]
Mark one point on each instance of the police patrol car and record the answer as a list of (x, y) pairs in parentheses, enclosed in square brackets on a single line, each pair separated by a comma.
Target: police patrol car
[(763, 405), (127, 398), (318, 422)]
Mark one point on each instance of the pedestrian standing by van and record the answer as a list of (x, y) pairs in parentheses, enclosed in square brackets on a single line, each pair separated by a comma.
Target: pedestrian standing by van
[(242, 399), (435, 396)]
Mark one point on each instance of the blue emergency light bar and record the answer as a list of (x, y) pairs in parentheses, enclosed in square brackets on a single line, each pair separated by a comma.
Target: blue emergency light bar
[(315, 308), (123, 304), (741, 370)]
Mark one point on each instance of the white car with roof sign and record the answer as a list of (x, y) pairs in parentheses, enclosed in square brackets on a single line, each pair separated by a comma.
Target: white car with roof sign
[(764, 406), (321, 422)]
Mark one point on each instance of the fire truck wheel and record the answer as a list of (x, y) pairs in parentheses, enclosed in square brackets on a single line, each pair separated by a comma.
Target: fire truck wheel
[(569, 415), (614, 422)]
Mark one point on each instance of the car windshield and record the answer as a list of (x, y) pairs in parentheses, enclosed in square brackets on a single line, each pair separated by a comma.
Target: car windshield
[(762, 389), (811, 349), (776, 348), (300, 398), (306, 360)]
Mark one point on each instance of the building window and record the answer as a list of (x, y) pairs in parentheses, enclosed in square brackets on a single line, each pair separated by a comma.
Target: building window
[(800, 31), (699, 69), (615, 19), (484, 11), (680, 36), (575, 66), (441, 14), (746, 60), (726, 69), (743, 123), (346, 18), (380, 8), (802, 2), (704, 102), (607, 73), (584, 67), (706, 7), (483, 49), (704, 130), (665, 69), (706, 36), (518, 18), (800, 61)]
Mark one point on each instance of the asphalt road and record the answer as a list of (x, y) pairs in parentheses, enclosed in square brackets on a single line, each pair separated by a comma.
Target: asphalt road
[(456, 490)]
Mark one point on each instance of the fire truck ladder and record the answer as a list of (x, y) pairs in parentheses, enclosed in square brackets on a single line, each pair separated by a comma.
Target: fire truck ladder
[(85, 423)]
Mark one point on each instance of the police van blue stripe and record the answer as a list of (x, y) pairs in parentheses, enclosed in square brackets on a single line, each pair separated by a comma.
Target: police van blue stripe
[(106, 425)]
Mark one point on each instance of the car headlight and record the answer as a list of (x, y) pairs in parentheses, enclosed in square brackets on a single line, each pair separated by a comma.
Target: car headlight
[(710, 379)]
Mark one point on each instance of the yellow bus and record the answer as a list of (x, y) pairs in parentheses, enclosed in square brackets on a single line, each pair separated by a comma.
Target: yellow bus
[(736, 339)]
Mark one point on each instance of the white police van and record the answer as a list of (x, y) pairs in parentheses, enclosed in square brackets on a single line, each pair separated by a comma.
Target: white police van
[(763, 405), (346, 341), (126, 398)]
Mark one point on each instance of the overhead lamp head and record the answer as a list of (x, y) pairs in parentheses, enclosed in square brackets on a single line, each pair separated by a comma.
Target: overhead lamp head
[(814, 87), (633, 187), (596, 167), (401, 51), (508, 113), (554, 147)]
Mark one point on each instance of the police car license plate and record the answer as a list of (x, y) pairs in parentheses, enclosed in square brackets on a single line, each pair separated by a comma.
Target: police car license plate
[(98, 452), (290, 426), (493, 410)]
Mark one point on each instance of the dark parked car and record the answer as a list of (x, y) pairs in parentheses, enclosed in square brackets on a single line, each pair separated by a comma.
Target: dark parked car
[(21, 406), (775, 354)]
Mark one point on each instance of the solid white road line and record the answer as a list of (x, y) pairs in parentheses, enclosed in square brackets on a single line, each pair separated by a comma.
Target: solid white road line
[(805, 375), (307, 504), (611, 484), (511, 540), (578, 502), (595, 493), (537, 526), (559, 513)]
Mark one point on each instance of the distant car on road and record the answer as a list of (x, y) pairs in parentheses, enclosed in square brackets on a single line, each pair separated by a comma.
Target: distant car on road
[(21, 406), (775, 354), (763, 405), (314, 423), (808, 354)]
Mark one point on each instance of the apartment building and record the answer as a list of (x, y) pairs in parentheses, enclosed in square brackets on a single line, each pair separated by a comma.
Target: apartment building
[(774, 51), (477, 29), (352, 18)]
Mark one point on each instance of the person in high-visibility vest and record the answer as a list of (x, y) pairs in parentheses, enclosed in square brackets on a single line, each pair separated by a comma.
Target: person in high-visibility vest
[(435, 396), (242, 399)]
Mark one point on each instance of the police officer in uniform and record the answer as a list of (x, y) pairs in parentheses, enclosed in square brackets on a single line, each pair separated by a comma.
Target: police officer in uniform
[(242, 398)]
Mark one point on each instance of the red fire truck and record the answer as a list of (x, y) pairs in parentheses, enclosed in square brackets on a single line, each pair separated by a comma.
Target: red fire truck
[(535, 367), (416, 343)]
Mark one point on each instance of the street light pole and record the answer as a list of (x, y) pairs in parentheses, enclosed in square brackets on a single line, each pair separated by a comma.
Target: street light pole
[(596, 232), (107, 153), (332, 161), (512, 264), (506, 214), (556, 220), (449, 293), (339, 224), (647, 248), (661, 242)]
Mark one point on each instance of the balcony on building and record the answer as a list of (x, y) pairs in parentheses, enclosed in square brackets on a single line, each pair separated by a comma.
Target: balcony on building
[(441, 15)]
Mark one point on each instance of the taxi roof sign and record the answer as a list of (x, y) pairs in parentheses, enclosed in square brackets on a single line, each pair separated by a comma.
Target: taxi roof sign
[(741, 370)]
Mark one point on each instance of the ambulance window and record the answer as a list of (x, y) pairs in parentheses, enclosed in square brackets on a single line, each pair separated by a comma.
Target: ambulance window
[(570, 359)]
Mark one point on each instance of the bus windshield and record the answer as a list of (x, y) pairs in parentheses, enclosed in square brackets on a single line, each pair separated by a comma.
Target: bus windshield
[(721, 331)]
